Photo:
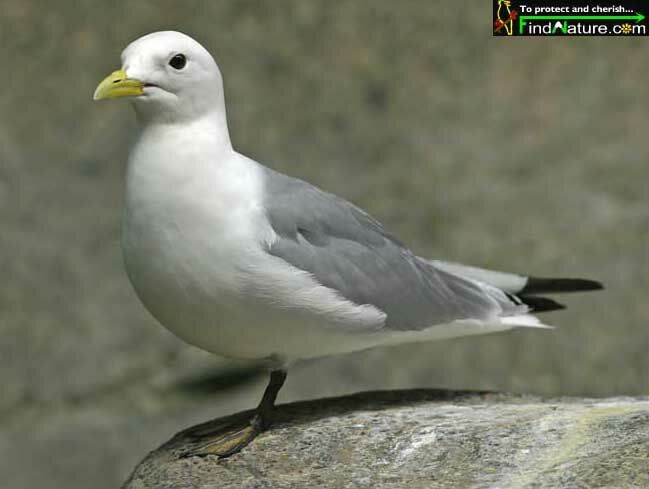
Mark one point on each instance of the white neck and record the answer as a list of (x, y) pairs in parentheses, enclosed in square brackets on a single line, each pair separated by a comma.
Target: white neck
[(202, 112), (211, 129)]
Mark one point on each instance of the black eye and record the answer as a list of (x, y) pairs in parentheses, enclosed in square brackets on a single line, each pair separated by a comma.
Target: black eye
[(178, 62)]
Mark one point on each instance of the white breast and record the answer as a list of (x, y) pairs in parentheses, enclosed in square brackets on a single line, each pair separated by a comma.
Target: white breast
[(187, 224)]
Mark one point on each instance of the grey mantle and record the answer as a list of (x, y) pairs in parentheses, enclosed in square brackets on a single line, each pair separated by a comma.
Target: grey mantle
[(425, 439)]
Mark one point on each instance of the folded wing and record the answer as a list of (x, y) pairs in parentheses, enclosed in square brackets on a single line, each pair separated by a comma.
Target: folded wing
[(348, 251)]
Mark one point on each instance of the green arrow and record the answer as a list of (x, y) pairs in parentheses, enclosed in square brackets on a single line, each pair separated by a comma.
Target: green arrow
[(638, 17)]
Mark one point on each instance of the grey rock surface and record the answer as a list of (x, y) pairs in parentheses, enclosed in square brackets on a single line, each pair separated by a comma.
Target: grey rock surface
[(424, 439)]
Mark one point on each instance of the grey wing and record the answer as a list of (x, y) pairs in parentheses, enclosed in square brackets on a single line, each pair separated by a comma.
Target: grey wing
[(348, 251)]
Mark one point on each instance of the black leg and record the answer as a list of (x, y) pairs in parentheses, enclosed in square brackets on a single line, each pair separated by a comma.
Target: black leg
[(230, 439), (267, 403)]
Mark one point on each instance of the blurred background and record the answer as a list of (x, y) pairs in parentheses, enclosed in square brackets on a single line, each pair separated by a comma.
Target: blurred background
[(526, 154)]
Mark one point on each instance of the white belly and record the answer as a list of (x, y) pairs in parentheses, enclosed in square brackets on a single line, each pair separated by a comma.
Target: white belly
[(181, 286)]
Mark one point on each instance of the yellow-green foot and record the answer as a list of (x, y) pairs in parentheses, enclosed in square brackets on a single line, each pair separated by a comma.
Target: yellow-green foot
[(229, 439)]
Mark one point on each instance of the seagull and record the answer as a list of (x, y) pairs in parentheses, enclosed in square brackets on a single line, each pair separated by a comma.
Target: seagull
[(248, 263)]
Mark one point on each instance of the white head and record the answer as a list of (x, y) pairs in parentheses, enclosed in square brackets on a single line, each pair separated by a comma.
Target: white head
[(169, 77)]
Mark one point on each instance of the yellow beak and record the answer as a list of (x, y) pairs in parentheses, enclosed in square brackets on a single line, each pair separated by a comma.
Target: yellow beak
[(117, 84)]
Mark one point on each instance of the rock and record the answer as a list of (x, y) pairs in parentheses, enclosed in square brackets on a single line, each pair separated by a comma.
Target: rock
[(425, 439)]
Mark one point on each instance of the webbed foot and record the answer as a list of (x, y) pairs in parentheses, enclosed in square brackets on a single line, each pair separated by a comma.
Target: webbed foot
[(229, 439), (232, 437)]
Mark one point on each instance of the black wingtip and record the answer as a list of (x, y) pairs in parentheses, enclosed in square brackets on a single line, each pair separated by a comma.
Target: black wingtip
[(537, 285), (541, 304)]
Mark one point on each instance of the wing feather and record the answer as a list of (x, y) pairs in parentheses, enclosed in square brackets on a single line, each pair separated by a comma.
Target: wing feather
[(347, 250)]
